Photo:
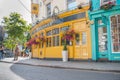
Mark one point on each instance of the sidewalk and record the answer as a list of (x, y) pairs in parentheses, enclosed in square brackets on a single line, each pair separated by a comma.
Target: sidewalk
[(96, 66)]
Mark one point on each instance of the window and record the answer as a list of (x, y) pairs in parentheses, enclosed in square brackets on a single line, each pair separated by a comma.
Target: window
[(48, 9), (102, 38), (49, 33), (48, 42), (107, 1), (71, 4), (64, 28), (115, 33), (84, 38), (55, 31), (56, 41), (77, 38)]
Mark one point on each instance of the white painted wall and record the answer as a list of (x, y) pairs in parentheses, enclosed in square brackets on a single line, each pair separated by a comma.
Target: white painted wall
[(61, 4)]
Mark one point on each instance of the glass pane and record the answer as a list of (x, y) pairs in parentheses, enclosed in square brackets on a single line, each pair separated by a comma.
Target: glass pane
[(56, 41), (77, 38), (115, 32), (55, 31), (118, 18), (113, 20), (53, 41), (64, 28), (48, 9), (49, 33), (48, 42), (84, 38), (70, 1), (102, 37)]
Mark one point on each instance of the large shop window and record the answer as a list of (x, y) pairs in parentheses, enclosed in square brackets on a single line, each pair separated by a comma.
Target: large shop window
[(115, 32)]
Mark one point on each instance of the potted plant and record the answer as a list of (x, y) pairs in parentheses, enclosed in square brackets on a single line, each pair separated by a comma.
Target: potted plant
[(65, 53), (66, 37)]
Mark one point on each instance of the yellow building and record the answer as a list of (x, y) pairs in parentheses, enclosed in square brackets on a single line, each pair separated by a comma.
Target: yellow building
[(51, 30)]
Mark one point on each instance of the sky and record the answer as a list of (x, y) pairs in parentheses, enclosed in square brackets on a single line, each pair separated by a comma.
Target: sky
[(8, 6)]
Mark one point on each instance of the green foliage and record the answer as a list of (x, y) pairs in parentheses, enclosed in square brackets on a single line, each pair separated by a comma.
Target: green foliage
[(65, 47), (15, 27), (9, 43)]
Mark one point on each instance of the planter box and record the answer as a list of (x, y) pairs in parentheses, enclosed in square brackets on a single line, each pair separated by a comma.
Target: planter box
[(65, 56)]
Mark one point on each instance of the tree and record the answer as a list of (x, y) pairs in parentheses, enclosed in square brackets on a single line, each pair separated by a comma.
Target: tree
[(15, 27)]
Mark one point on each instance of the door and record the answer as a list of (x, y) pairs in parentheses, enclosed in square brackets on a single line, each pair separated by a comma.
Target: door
[(102, 42), (82, 45)]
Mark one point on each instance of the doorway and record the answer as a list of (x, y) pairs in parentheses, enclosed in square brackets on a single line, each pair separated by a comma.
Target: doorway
[(102, 42)]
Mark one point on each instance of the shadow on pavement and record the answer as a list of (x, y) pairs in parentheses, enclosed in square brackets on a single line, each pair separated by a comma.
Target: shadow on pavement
[(26, 72)]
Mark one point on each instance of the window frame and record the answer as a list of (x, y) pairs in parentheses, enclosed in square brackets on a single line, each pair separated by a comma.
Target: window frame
[(70, 2), (112, 46), (48, 12)]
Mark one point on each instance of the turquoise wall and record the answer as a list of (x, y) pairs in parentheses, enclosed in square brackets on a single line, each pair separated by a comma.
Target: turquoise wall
[(95, 14), (96, 4)]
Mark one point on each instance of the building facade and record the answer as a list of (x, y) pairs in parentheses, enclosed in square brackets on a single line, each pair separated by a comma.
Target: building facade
[(53, 17), (105, 31)]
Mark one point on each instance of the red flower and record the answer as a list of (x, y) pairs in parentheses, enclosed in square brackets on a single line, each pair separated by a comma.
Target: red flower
[(68, 35), (109, 2)]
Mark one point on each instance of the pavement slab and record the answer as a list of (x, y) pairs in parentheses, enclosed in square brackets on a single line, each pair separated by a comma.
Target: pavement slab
[(96, 66)]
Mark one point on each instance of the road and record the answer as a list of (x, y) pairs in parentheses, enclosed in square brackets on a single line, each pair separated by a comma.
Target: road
[(9, 71)]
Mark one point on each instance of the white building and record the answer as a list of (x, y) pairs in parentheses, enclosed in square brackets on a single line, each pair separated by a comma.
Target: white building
[(42, 9)]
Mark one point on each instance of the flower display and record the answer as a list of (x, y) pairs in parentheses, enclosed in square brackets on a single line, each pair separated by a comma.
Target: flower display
[(33, 41), (42, 39), (107, 6), (68, 35)]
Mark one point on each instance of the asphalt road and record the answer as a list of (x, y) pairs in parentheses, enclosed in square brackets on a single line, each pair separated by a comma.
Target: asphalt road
[(26, 72)]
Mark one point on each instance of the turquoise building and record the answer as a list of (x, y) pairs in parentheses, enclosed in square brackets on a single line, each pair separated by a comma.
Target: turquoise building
[(105, 29)]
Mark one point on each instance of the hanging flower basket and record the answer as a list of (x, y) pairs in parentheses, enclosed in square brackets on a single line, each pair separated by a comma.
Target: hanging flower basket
[(42, 39), (68, 35), (33, 41), (107, 6)]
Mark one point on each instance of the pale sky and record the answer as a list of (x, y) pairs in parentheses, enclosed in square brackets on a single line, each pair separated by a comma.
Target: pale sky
[(8, 6)]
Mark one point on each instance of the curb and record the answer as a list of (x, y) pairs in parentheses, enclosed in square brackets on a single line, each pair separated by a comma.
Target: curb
[(61, 67)]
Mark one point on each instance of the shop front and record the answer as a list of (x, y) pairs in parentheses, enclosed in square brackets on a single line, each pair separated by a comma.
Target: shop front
[(51, 44), (105, 34)]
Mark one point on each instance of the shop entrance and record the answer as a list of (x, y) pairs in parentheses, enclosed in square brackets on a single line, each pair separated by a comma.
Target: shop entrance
[(102, 42), (82, 48)]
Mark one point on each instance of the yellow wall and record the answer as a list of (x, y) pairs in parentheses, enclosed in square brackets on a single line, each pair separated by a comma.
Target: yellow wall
[(75, 51)]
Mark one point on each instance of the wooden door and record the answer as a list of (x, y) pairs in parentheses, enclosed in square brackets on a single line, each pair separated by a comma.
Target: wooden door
[(82, 45)]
